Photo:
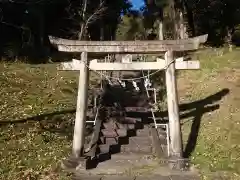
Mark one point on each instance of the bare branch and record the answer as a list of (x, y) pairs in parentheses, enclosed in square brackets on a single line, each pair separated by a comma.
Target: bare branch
[(15, 26), (80, 35), (97, 14)]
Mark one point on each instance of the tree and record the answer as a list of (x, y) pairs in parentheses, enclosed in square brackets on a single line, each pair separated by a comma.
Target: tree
[(131, 27), (153, 13), (27, 25)]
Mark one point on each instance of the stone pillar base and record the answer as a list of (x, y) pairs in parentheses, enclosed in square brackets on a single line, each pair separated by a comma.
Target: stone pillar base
[(179, 164), (74, 163)]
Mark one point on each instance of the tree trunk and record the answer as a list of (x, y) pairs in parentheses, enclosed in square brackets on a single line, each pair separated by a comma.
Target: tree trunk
[(181, 26), (173, 17), (160, 30), (82, 29), (190, 18), (229, 39)]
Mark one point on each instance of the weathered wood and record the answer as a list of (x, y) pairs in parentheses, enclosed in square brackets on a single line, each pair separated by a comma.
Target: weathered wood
[(81, 111), (134, 66), (60, 41), (173, 110), (128, 46)]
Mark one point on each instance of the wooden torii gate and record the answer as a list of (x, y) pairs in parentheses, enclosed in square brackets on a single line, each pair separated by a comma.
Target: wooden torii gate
[(131, 47)]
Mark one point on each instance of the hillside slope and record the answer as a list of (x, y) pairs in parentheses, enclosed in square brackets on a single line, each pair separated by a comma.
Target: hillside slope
[(37, 112)]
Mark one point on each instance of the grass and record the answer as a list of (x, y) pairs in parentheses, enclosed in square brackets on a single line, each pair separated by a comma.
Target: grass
[(38, 101), (34, 148), (217, 151)]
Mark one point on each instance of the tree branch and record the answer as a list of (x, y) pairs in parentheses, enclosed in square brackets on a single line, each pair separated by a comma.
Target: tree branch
[(96, 14)]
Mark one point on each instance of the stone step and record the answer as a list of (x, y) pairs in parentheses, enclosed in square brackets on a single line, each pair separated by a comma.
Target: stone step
[(132, 132), (141, 139), (109, 149), (120, 164), (138, 144), (135, 126), (137, 109), (143, 132), (139, 134), (130, 120), (110, 125), (127, 126), (120, 125), (130, 129), (112, 133), (125, 130), (115, 141), (109, 141), (136, 149), (104, 148)]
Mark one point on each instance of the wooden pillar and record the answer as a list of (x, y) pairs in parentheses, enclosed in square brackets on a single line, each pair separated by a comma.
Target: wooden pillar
[(176, 149), (81, 112)]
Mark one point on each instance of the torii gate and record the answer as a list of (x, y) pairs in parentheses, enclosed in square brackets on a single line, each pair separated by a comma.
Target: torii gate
[(169, 64)]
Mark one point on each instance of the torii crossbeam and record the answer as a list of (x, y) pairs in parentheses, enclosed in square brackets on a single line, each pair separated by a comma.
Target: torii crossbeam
[(139, 47)]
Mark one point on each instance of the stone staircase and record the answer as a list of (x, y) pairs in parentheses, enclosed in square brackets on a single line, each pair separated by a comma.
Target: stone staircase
[(131, 136), (128, 137), (128, 149)]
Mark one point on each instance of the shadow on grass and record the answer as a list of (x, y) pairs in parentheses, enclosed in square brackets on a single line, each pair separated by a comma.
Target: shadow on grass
[(199, 108), (40, 117), (61, 122)]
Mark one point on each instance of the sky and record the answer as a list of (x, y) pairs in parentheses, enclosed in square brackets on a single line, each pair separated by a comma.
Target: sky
[(137, 4)]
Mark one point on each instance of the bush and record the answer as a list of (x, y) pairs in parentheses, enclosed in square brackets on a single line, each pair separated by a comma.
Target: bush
[(236, 36)]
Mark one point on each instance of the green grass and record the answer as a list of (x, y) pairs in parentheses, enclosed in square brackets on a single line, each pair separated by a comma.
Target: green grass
[(218, 143), (45, 97), (36, 147)]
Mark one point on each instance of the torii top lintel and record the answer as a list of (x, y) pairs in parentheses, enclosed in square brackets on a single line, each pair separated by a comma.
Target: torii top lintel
[(141, 47)]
